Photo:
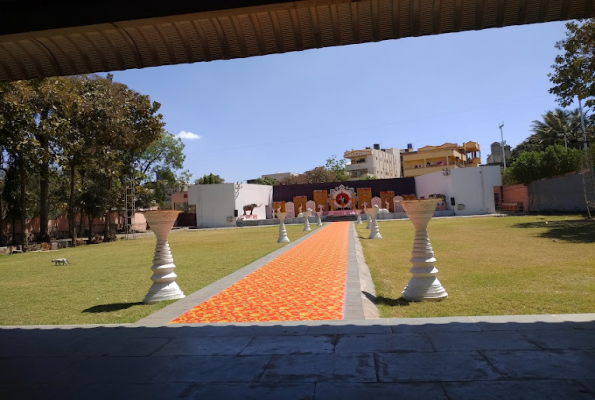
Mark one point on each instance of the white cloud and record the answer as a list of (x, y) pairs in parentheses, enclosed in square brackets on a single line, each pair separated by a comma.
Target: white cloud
[(188, 135)]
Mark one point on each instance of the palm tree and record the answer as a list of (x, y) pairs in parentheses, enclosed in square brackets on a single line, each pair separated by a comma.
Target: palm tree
[(558, 127)]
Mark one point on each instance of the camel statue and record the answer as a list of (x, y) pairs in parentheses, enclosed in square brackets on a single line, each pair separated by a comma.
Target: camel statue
[(250, 207)]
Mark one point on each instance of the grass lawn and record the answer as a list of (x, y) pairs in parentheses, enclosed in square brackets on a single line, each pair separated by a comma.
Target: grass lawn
[(106, 283), (490, 266)]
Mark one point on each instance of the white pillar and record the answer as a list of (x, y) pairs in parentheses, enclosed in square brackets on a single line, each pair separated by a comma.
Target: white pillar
[(164, 286), (359, 217), (282, 230), (424, 284), (306, 222), (374, 232), (319, 214)]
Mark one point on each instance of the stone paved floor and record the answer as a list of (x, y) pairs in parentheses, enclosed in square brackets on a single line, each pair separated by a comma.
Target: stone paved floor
[(500, 357)]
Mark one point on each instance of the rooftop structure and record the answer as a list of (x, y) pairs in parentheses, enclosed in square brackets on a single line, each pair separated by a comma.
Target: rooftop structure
[(430, 159), (495, 158)]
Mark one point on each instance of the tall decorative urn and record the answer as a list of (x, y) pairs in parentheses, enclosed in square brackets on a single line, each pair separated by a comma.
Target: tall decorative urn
[(306, 221), (374, 231), (319, 218), (282, 230), (164, 279), (424, 284)]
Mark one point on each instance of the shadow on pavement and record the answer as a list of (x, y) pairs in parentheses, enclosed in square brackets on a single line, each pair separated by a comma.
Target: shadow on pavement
[(544, 357)]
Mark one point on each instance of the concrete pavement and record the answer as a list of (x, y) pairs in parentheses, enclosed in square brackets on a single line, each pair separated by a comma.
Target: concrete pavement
[(499, 357)]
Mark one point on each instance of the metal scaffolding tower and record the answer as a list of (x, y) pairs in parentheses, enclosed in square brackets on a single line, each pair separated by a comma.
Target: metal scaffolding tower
[(130, 231)]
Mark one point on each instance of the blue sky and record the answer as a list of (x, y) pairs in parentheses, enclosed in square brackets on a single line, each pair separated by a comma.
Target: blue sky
[(290, 112)]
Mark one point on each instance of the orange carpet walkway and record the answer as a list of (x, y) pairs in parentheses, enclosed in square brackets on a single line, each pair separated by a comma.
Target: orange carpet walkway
[(305, 283)]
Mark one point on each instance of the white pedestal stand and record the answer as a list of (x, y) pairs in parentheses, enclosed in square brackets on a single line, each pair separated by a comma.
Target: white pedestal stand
[(359, 217), (307, 222), (374, 233), (319, 215), (282, 231), (368, 218), (424, 285), (164, 286)]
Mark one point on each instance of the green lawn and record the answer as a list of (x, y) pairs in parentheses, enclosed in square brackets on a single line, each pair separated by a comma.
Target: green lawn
[(490, 266), (106, 283)]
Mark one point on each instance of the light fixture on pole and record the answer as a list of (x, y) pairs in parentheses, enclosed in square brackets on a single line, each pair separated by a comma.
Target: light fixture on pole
[(502, 143)]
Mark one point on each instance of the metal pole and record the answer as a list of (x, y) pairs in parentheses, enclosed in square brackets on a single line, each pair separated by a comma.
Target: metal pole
[(502, 143)]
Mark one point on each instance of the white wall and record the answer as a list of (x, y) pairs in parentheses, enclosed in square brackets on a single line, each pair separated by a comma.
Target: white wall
[(261, 195), (471, 187), (434, 183), (214, 204)]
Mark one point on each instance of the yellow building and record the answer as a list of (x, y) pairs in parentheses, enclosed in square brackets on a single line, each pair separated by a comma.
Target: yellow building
[(430, 159)]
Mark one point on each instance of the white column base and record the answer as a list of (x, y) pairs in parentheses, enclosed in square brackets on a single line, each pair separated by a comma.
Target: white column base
[(282, 230), (163, 291)]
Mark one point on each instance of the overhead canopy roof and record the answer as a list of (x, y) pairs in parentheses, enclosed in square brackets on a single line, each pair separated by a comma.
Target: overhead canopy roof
[(40, 38)]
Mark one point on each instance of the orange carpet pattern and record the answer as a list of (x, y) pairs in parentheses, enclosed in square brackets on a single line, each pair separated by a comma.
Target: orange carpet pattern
[(305, 283)]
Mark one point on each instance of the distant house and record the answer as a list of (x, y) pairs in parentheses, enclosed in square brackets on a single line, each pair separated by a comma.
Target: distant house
[(278, 176), (376, 162), (429, 159)]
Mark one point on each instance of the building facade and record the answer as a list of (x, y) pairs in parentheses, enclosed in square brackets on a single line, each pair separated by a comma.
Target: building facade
[(429, 159), (278, 176), (376, 162)]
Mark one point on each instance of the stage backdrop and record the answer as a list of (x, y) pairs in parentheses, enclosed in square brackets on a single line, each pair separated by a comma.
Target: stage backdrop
[(401, 186)]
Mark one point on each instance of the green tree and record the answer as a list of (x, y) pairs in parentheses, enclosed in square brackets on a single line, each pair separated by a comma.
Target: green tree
[(209, 179), (164, 156), (17, 138), (574, 69), (267, 180), (319, 175), (527, 168), (532, 166), (551, 131), (338, 167)]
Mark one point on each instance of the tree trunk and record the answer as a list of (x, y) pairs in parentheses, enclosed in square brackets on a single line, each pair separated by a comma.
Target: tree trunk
[(43, 192), (71, 214), (23, 211), (82, 224), (106, 233), (90, 226), (2, 224)]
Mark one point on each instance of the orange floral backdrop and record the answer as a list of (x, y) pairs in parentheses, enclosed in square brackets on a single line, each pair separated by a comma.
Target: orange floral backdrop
[(300, 201), (277, 204), (388, 196), (320, 197), (364, 195)]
